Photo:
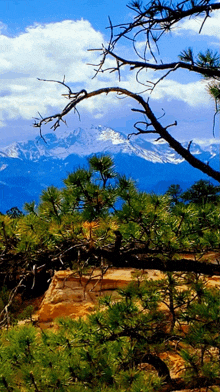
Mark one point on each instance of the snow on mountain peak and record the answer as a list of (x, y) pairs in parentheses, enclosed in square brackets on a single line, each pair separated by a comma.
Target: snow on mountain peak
[(110, 134), (12, 151), (96, 140), (28, 167)]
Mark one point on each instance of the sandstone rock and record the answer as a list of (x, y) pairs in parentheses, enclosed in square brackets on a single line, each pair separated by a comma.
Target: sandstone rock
[(70, 295), (75, 296)]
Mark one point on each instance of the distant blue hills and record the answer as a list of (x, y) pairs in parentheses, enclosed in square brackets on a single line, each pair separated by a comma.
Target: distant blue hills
[(26, 168)]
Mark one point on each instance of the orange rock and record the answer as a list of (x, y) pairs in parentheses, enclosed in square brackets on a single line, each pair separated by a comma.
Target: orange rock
[(74, 296)]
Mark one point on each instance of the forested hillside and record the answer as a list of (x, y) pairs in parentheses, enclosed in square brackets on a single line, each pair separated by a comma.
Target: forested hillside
[(155, 335), (99, 220)]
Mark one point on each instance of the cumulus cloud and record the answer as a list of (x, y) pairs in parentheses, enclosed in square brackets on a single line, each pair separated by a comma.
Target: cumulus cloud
[(44, 51), (194, 94), (50, 49), (53, 50), (210, 28)]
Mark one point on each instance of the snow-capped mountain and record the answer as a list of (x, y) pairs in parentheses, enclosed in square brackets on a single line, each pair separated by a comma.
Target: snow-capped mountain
[(86, 142), (28, 167)]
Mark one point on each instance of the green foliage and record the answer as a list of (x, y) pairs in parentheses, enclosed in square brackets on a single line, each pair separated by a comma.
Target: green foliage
[(27, 313), (187, 56), (104, 165), (174, 192), (209, 59), (96, 204), (99, 219), (14, 212), (87, 191), (202, 192), (214, 90), (122, 345), (7, 232), (51, 203)]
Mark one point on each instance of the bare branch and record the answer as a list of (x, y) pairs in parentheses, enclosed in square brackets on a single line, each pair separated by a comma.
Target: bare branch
[(76, 98), (163, 77), (141, 131), (172, 125), (62, 83), (138, 110), (204, 20), (211, 72), (160, 18), (189, 145)]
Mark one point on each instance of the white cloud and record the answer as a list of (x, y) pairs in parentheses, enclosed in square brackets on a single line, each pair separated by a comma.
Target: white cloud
[(205, 142), (210, 28), (44, 51), (194, 94), (50, 50), (53, 50)]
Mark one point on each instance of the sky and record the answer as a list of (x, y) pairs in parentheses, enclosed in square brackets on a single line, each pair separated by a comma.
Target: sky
[(48, 39)]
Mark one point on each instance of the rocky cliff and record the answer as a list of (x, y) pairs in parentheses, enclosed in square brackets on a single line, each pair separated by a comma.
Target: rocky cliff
[(75, 296), (72, 295)]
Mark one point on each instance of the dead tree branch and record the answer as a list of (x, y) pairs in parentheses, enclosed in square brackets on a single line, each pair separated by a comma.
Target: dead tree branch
[(158, 128), (157, 17), (206, 71)]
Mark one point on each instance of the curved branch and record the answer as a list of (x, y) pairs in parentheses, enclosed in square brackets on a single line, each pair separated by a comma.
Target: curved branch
[(76, 98), (159, 365), (160, 18), (178, 384), (211, 72)]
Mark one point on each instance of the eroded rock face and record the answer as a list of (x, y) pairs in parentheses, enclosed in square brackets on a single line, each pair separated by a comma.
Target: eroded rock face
[(74, 296), (70, 295)]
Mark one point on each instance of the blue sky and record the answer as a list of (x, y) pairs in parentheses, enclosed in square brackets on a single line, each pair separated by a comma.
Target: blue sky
[(49, 39)]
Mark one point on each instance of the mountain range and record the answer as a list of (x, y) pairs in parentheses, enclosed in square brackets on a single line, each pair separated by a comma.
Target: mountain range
[(26, 168)]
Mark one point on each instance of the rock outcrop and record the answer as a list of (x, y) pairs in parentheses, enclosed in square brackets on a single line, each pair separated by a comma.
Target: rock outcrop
[(72, 295), (75, 296)]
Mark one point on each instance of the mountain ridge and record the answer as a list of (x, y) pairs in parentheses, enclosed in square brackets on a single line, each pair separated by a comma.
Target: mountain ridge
[(28, 167)]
